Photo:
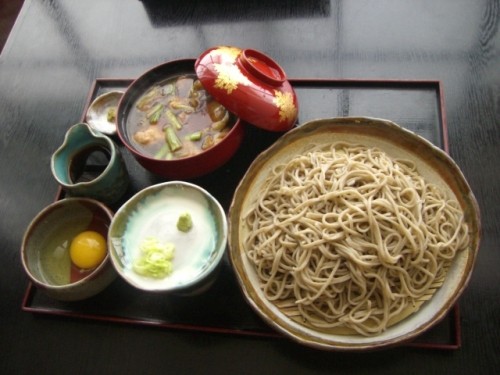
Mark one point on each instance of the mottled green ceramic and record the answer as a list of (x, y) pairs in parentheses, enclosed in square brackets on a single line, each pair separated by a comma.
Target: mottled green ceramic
[(72, 159)]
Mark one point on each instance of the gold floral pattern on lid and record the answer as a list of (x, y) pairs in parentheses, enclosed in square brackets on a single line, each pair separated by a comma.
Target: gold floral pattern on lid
[(231, 53), (284, 102), (229, 77)]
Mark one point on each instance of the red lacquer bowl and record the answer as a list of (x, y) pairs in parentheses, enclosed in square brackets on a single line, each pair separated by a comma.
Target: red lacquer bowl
[(249, 84), (185, 168)]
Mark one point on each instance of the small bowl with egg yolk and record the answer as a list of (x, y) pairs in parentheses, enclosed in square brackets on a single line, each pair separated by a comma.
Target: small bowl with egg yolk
[(64, 249)]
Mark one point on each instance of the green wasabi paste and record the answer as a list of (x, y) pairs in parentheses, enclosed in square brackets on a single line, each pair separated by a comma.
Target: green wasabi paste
[(184, 223)]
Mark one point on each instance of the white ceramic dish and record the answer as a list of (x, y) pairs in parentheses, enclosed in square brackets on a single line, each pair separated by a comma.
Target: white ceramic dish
[(97, 113), (153, 213)]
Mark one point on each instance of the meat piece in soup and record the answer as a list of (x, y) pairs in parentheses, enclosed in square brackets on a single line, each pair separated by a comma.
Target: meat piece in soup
[(177, 119)]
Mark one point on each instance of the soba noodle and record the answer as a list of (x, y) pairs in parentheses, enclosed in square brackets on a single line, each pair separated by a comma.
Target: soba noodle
[(345, 239)]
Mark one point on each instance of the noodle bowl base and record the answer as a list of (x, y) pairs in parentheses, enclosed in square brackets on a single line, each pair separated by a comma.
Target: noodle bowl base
[(431, 163)]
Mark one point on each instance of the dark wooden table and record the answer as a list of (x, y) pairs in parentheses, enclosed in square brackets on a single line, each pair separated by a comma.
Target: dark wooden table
[(57, 51)]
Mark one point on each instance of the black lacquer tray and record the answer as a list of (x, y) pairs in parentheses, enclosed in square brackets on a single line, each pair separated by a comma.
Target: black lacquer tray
[(415, 105)]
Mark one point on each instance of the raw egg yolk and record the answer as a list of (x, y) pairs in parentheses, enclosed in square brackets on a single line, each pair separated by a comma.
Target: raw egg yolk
[(87, 250)]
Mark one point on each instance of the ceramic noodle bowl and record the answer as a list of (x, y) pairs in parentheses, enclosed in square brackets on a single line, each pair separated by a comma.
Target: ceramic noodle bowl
[(431, 163)]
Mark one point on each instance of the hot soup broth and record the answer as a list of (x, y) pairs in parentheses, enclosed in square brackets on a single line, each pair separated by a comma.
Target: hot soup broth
[(177, 119)]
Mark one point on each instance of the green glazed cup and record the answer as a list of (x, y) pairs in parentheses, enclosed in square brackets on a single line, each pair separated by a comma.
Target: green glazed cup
[(89, 164)]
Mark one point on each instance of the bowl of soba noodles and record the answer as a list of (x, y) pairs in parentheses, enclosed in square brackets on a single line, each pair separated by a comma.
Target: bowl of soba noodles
[(353, 234)]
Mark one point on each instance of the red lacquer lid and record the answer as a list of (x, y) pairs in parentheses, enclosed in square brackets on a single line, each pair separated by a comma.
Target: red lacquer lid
[(250, 85)]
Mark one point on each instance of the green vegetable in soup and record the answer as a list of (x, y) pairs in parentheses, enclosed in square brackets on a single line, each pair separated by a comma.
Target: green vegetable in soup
[(147, 98), (168, 89), (172, 139), (154, 114), (178, 119), (164, 152), (196, 136), (173, 120), (177, 104)]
